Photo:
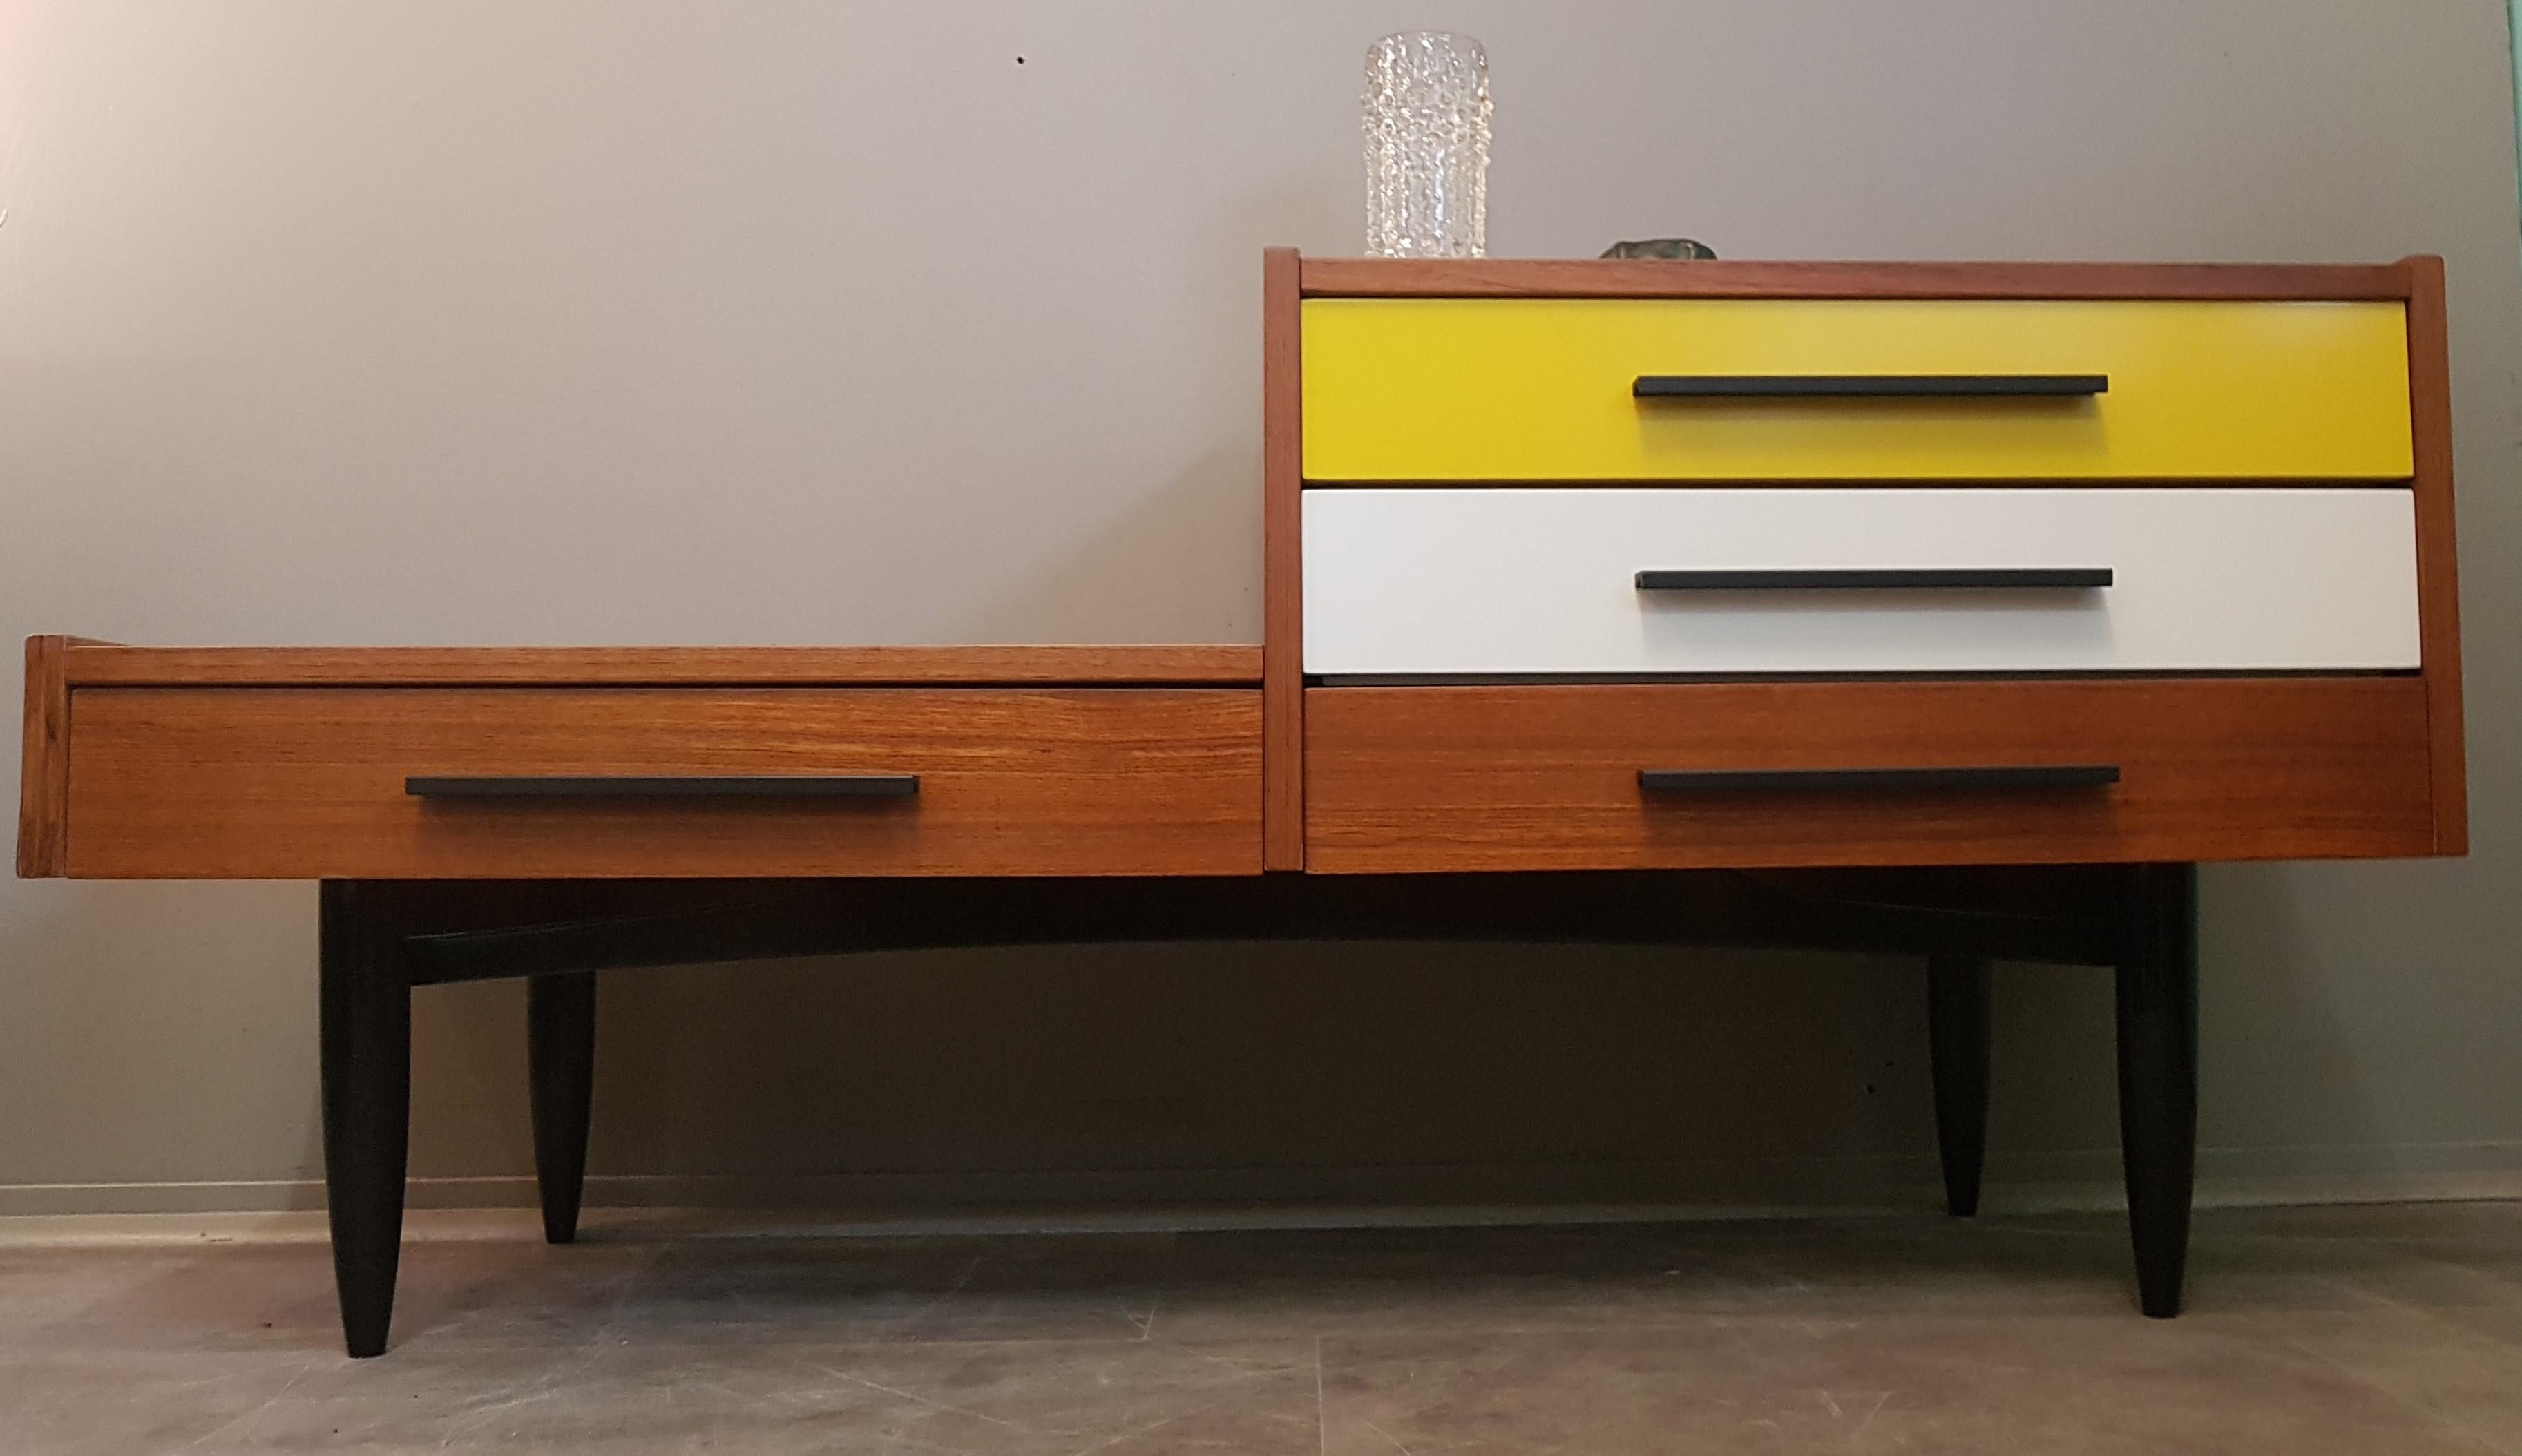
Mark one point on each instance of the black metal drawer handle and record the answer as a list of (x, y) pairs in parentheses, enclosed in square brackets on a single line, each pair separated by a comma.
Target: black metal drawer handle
[(1871, 386), (1870, 578), (627, 786), (1996, 777)]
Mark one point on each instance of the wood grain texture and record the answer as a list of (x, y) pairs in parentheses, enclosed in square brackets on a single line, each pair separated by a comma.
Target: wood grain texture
[(1282, 588), (235, 783), (2438, 569), (44, 770), (659, 667), (1545, 777), (1591, 278)]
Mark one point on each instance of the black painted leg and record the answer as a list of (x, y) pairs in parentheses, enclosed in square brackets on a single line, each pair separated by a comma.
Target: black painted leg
[(560, 1062), (366, 1054), (2157, 1027), (1957, 1003)]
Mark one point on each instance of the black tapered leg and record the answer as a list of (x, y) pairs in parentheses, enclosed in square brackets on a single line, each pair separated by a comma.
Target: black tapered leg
[(2157, 1029), (1957, 1004), (560, 1062), (366, 1056)]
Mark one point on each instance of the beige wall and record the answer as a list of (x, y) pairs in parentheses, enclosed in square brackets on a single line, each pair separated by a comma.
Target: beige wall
[(811, 321)]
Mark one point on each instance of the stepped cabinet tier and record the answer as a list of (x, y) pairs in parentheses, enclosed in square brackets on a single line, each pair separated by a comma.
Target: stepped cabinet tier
[(1655, 564)]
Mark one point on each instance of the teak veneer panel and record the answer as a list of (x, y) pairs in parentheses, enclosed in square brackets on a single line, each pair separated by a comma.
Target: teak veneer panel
[(222, 784), (106, 663), (1545, 777)]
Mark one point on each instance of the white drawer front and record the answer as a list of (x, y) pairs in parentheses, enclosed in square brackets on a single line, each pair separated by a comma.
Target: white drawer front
[(1545, 582)]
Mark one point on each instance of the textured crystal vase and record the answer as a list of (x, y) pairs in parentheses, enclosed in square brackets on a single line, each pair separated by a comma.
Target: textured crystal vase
[(1427, 146)]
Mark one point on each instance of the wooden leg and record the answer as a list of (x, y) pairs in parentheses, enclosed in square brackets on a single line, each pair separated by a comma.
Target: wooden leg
[(2158, 1030), (1957, 1003), (560, 1062), (365, 1022)]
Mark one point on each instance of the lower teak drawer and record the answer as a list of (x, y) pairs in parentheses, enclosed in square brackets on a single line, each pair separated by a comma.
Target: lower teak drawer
[(1676, 775), (587, 782)]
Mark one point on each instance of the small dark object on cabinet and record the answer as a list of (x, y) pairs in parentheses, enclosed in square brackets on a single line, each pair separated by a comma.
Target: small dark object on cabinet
[(1673, 248)]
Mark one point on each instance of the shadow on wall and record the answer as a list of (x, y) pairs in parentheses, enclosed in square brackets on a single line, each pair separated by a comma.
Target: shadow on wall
[(1317, 1072), (1369, 1073)]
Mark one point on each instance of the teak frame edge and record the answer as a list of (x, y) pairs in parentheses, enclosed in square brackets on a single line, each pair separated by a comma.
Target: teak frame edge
[(1572, 278), (2438, 569), (1282, 600), (44, 774)]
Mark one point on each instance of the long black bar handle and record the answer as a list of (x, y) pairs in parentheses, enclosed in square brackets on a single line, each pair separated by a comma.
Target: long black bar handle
[(1989, 777), (1871, 386), (632, 786), (1880, 579)]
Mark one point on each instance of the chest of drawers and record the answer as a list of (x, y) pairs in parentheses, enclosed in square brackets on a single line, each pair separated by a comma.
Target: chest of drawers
[(2016, 589), (1634, 566)]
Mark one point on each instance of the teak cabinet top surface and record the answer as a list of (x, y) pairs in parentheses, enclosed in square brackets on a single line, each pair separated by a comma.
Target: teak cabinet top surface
[(87, 663), (1596, 278)]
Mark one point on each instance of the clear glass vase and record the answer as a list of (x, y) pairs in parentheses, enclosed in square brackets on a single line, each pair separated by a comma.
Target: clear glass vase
[(1427, 146)]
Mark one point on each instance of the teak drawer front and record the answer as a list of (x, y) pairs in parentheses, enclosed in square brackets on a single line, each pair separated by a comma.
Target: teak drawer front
[(1548, 778), (1532, 389), (306, 782), (1548, 582)]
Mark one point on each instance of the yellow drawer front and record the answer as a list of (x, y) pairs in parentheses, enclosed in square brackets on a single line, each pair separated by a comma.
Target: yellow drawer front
[(1533, 389)]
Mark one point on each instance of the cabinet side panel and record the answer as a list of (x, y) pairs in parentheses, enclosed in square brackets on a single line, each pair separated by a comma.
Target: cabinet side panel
[(1282, 620), (2438, 574), (44, 772)]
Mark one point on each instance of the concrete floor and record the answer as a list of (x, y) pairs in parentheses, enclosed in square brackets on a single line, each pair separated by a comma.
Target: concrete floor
[(2373, 1328)]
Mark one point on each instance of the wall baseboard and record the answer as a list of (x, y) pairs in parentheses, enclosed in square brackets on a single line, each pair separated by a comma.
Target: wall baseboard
[(1249, 1198)]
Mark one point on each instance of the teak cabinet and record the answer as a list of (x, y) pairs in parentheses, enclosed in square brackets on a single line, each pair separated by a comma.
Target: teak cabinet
[(1567, 565), (1954, 610)]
